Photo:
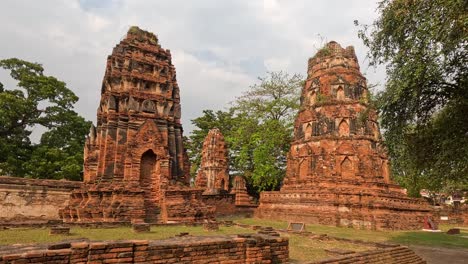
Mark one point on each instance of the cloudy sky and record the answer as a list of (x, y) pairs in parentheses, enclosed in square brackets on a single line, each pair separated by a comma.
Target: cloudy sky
[(219, 48)]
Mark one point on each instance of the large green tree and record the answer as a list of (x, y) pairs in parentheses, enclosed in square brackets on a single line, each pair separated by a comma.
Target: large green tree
[(257, 129), (39, 100), (423, 107)]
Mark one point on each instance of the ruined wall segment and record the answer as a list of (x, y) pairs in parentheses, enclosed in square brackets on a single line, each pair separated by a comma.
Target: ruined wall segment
[(135, 154), (337, 168), (213, 172), (33, 200), (260, 249)]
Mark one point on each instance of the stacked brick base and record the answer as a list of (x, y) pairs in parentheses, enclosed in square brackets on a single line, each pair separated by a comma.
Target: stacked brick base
[(125, 203), (184, 205), (355, 207), (105, 203), (221, 249)]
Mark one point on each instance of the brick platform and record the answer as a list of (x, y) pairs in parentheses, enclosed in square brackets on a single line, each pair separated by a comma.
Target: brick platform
[(256, 249)]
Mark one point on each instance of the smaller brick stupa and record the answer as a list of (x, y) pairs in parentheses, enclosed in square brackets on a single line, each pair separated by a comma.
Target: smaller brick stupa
[(213, 172), (135, 165), (337, 169), (239, 188), (213, 177)]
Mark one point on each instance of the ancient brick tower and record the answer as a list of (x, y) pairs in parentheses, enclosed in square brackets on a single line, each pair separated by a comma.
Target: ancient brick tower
[(337, 170), (135, 154), (213, 173)]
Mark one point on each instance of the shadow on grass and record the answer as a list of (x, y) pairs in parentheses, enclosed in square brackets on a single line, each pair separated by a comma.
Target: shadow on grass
[(400, 237), (431, 239)]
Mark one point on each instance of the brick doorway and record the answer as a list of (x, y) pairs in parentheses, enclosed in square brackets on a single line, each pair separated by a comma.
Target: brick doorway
[(148, 182)]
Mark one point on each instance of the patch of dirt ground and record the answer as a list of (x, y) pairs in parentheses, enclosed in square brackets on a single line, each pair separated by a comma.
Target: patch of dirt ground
[(440, 255)]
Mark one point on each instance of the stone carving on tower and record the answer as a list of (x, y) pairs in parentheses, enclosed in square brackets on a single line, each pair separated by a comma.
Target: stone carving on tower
[(135, 155), (337, 168), (213, 172)]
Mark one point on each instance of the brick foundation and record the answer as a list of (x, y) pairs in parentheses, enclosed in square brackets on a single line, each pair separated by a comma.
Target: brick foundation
[(220, 249)]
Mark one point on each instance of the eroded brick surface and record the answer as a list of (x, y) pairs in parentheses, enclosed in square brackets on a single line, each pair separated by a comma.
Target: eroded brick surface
[(31, 201), (135, 154), (337, 169)]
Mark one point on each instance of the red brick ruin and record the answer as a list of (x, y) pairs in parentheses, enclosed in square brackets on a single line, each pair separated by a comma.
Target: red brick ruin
[(213, 177), (240, 190), (135, 166), (213, 173), (337, 170)]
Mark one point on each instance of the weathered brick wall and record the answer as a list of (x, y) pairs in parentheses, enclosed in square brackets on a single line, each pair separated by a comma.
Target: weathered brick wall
[(226, 204), (183, 204), (220, 249), (392, 255), (347, 209), (451, 215), (223, 203), (32, 199)]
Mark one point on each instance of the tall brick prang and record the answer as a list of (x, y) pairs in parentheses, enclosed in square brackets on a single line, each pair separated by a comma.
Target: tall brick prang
[(135, 155), (337, 169), (213, 173)]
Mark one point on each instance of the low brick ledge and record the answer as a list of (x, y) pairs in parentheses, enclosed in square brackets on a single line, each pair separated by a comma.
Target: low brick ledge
[(247, 248), (50, 223), (51, 184)]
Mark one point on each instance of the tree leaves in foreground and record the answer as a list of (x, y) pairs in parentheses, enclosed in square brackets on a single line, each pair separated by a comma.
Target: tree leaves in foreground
[(423, 108), (39, 100), (257, 129)]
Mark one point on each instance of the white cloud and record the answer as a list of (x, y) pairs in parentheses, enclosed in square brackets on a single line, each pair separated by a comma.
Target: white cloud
[(218, 47), (205, 86), (97, 23), (277, 64)]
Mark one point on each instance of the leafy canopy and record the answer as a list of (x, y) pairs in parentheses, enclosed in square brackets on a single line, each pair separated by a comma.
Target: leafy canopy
[(39, 100), (424, 47)]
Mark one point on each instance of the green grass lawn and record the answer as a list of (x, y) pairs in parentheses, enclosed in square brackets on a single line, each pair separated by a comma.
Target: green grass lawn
[(301, 248), (400, 237), (28, 235), (307, 249)]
